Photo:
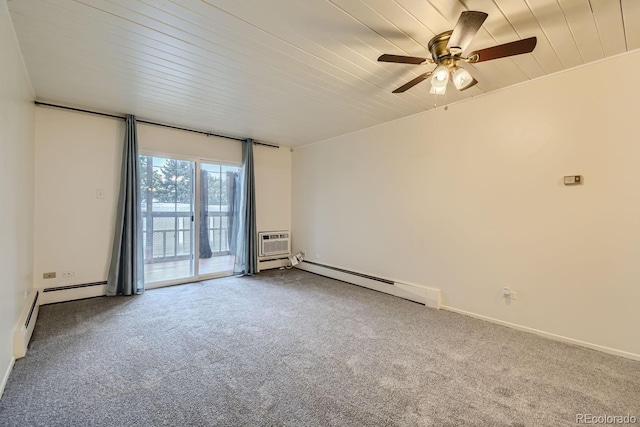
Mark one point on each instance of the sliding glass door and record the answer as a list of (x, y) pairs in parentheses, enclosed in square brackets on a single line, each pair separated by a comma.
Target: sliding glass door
[(218, 184), (187, 219), (168, 211)]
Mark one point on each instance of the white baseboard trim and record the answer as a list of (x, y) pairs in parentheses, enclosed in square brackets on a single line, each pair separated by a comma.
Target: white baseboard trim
[(26, 323), (545, 334), (5, 378), (430, 297), (62, 295)]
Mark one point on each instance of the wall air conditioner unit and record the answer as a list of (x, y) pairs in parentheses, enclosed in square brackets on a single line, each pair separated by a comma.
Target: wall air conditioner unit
[(274, 243)]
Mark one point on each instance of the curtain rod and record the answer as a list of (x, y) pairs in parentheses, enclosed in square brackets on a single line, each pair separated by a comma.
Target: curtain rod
[(113, 116)]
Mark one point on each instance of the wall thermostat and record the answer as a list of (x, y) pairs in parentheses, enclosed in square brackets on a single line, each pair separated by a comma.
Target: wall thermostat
[(573, 180)]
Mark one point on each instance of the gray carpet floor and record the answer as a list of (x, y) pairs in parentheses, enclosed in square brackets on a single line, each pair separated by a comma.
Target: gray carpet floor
[(293, 348)]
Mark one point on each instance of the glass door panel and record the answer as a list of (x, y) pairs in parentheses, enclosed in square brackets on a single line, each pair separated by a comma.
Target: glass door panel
[(168, 208), (218, 185)]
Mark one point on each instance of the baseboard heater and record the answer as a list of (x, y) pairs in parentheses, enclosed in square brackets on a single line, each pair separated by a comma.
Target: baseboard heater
[(273, 259), (56, 294), (22, 334), (272, 263), (430, 297), (34, 305), (342, 270), (82, 285)]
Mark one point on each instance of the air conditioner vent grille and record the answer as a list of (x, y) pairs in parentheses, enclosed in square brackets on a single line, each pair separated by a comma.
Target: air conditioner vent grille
[(274, 243)]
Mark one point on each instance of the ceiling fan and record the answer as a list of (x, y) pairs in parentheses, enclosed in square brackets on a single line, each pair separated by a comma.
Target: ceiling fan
[(446, 50)]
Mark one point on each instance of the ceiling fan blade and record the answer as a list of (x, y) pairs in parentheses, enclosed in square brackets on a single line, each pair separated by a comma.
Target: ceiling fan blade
[(412, 83), (401, 59), (468, 25), (503, 50)]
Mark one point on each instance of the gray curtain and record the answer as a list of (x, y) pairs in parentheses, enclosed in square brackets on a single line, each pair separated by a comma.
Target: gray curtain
[(246, 248), (233, 186), (205, 246), (126, 272)]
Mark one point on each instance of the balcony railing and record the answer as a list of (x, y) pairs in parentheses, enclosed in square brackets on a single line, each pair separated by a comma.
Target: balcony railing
[(168, 236)]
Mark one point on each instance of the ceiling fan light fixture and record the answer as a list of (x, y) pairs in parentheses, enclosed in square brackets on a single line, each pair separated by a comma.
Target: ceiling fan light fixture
[(441, 90), (440, 77), (461, 78)]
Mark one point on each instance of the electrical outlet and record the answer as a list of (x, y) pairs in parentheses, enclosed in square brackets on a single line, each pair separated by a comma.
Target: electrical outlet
[(303, 253), (51, 275), (68, 273)]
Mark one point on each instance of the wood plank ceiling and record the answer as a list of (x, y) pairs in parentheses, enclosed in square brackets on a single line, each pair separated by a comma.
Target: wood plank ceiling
[(287, 71)]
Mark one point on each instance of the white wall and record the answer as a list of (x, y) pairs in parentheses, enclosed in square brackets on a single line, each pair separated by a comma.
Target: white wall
[(273, 188), (471, 199), (78, 153), (16, 188)]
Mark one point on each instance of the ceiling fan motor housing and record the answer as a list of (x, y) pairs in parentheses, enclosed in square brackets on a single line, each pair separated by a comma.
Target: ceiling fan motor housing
[(438, 47)]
